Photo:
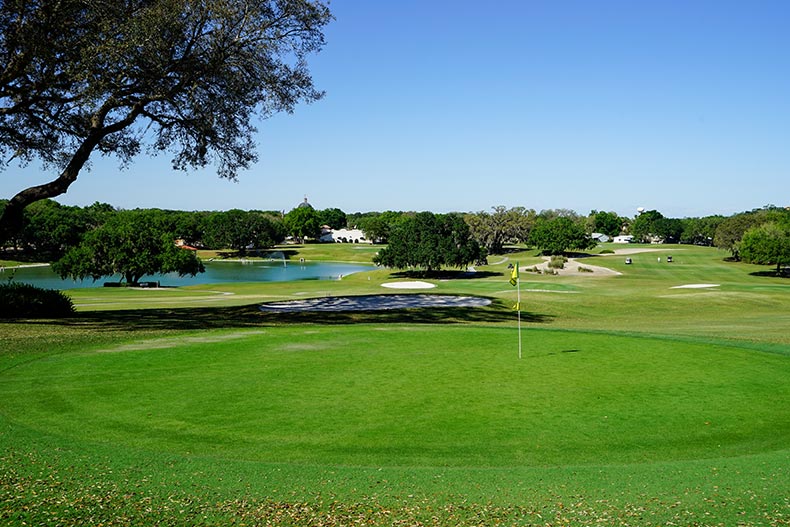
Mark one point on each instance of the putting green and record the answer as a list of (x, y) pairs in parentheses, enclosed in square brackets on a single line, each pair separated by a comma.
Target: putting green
[(406, 396)]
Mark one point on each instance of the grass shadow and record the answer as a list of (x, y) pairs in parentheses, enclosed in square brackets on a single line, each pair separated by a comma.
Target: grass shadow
[(250, 315), (446, 275), (785, 273)]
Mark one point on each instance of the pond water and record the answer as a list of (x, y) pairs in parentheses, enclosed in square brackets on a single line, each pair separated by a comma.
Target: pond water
[(216, 272)]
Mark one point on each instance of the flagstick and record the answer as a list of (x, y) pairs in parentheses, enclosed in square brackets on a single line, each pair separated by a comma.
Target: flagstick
[(518, 305)]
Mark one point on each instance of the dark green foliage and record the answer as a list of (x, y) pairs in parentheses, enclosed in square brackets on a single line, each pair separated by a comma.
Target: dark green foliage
[(241, 230), (26, 301), (608, 223), (132, 244), (730, 231), (333, 217), (303, 222), (700, 231), (560, 235), (651, 226), (767, 244), (49, 229), (430, 241), (377, 226)]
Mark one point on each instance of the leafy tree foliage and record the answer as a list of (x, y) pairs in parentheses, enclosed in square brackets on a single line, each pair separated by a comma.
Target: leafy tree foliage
[(766, 244), (334, 217), (430, 241), (700, 231), (377, 226), (241, 230), (132, 244), (560, 235), (494, 230), (78, 76), (188, 226), (302, 223), (731, 230), (550, 214), (608, 223), (651, 226), (50, 228), (645, 226)]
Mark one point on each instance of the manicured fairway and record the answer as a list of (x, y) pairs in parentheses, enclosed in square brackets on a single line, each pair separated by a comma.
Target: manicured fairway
[(411, 396)]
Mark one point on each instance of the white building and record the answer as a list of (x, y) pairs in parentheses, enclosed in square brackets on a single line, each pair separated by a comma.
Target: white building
[(343, 236)]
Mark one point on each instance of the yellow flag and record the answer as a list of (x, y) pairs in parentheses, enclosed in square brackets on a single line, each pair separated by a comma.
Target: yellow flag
[(517, 306), (514, 275)]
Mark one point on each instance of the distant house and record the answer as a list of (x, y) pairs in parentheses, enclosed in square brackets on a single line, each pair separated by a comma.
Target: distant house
[(600, 237), (623, 238), (329, 235), (183, 245)]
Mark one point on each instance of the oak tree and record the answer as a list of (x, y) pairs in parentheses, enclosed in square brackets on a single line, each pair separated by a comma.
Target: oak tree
[(767, 244), (560, 235), (430, 241), (131, 244), (185, 77)]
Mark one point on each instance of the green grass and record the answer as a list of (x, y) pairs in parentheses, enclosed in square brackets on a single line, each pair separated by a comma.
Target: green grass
[(634, 404)]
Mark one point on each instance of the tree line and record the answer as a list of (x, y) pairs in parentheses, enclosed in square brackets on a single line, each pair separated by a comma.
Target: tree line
[(79, 239), (99, 240)]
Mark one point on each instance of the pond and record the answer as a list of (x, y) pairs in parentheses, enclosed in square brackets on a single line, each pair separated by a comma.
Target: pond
[(216, 272)]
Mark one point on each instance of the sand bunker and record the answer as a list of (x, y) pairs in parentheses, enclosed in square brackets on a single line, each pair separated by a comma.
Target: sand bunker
[(409, 285), (374, 303), (694, 286)]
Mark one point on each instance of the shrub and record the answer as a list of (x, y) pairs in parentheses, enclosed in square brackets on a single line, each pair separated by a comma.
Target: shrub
[(24, 300), (557, 262), (607, 251), (585, 269)]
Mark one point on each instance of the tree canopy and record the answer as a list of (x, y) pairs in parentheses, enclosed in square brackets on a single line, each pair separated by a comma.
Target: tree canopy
[(430, 241), (333, 217), (132, 244), (302, 222), (651, 226), (766, 244), (608, 223), (239, 230), (182, 76), (559, 235), (493, 230)]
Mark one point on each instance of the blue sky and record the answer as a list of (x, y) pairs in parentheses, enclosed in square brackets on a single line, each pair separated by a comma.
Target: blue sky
[(678, 106)]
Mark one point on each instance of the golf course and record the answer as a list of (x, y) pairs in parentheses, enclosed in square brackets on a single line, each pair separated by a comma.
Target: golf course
[(645, 393)]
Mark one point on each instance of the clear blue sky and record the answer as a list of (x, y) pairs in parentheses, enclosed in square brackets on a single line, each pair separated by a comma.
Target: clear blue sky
[(678, 106)]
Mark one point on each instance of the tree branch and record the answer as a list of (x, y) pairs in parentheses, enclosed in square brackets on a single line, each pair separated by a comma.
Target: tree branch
[(11, 219)]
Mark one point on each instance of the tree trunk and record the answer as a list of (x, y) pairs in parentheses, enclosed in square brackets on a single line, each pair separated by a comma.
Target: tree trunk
[(11, 220)]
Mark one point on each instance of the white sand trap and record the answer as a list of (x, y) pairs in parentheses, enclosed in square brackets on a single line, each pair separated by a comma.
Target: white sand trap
[(374, 303), (409, 285), (694, 286)]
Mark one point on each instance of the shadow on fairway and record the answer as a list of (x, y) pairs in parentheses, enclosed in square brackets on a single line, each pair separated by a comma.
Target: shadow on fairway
[(784, 273), (446, 275), (251, 316)]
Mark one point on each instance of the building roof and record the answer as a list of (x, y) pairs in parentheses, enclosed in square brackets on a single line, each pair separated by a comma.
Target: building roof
[(304, 204)]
